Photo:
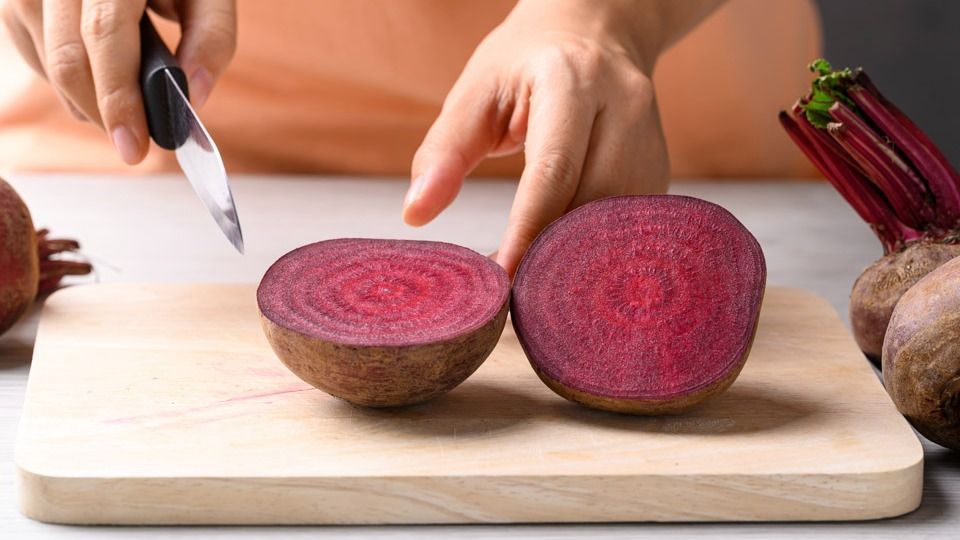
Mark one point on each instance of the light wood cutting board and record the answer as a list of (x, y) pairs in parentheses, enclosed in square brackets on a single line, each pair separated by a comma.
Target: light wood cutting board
[(163, 404)]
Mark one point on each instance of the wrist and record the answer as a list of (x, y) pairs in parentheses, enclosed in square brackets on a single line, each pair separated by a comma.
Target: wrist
[(642, 28)]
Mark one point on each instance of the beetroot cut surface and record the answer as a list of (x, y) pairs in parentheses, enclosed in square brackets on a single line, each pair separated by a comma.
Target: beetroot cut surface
[(640, 304), (389, 293), (383, 323)]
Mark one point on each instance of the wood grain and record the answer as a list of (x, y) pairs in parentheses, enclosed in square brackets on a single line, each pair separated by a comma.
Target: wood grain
[(163, 404)]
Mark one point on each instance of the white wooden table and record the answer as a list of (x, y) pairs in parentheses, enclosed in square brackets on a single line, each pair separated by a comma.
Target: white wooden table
[(154, 229)]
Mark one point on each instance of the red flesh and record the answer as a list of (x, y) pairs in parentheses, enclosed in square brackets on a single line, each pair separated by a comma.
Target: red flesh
[(389, 293), (644, 298)]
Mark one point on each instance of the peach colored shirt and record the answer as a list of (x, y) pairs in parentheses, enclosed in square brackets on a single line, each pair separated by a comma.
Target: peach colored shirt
[(351, 86)]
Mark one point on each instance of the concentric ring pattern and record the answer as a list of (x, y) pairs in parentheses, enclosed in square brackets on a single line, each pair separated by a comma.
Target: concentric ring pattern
[(639, 297), (382, 292)]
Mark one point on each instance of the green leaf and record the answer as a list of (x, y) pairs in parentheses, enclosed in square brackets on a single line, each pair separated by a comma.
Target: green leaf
[(819, 119), (820, 66), (826, 89)]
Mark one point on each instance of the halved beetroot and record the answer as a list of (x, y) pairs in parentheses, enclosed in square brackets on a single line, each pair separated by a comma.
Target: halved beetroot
[(383, 322), (640, 304)]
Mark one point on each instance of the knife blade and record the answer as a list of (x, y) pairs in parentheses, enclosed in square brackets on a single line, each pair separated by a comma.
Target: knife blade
[(174, 125)]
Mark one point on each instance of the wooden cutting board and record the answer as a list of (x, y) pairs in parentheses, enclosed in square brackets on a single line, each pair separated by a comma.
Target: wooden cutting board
[(163, 404)]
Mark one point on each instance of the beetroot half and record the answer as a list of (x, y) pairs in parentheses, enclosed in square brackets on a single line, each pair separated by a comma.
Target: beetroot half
[(383, 323), (640, 304)]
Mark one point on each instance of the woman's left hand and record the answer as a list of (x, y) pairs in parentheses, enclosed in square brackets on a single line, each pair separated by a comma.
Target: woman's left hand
[(568, 82)]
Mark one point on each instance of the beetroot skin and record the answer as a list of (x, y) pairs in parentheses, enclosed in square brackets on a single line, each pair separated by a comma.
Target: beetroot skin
[(921, 355), (30, 263), (880, 286), (640, 304), (383, 322)]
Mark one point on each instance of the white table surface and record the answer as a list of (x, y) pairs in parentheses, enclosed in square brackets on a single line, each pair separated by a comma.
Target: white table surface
[(154, 229)]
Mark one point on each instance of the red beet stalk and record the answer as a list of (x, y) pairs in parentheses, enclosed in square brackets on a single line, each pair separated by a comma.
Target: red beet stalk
[(830, 159), (927, 159), (886, 168), (893, 175)]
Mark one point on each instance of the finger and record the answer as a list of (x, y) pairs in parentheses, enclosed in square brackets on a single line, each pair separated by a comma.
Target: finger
[(166, 9), (627, 156), (111, 34), (208, 43), (474, 122), (67, 66), (559, 134), (23, 20)]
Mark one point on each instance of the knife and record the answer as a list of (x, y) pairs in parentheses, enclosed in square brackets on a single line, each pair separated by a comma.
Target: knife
[(174, 126)]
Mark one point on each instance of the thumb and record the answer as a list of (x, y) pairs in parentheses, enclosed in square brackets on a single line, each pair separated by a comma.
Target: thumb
[(472, 124), (209, 40)]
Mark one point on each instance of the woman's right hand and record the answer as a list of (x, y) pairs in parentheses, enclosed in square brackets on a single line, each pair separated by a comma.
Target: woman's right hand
[(89, 50)]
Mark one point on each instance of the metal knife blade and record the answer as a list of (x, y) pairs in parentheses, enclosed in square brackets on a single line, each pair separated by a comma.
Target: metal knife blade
[(201, 163), (174, 126)]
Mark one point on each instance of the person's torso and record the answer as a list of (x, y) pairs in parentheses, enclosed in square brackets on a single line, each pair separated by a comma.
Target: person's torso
[(351, 86)]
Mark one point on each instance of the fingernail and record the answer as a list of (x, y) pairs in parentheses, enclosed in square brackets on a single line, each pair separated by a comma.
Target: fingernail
[(201, 82), (416, 187), (126, 144)]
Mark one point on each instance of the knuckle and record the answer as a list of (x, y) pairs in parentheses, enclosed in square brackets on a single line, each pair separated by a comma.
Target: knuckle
[(66, 63), (115, 102), (582, 59), (590, 59), (101, 20), (555, 170), (221, 38), (641, 98)]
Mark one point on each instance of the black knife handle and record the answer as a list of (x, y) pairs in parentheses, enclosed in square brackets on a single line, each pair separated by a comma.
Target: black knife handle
[(164, 117)]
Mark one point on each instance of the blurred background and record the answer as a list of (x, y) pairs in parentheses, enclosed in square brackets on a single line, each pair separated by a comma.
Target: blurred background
[(910, 48)]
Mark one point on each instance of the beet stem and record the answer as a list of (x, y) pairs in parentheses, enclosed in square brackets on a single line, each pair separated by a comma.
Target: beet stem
[(942, 179), (907, 193), (853, 186), (52, 247), (51, 267)]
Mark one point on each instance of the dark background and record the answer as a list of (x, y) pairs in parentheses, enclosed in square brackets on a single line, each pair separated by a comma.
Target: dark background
[(911, 50)]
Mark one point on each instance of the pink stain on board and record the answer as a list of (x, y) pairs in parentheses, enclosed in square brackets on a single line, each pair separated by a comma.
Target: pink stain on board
[(212, 406)]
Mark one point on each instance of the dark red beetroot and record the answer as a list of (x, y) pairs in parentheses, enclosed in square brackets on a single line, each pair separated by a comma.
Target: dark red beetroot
[(29, 263), (921, 355), (640, 304), (383, 322)]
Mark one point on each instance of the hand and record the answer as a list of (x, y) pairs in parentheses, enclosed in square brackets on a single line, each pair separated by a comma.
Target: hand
[(90, 53), (568, 82)]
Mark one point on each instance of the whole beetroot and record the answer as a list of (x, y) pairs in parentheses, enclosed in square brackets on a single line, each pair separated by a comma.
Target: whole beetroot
[(27, 265), (19, 266), (921, 355), (893, 175), (880, 286)]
